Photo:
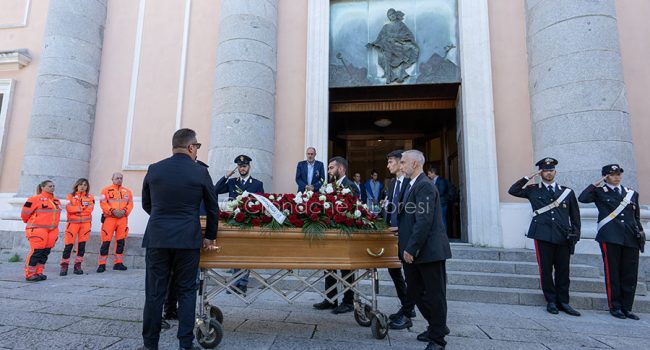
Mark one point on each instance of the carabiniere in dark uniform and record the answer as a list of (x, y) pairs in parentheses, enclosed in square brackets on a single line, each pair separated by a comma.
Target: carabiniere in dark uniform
[(555, 227), (620, 236)]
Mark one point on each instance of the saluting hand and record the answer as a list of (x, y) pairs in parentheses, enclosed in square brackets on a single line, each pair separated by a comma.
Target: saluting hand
[(532, 176), (408, 258), (229, 174), (600, 181)]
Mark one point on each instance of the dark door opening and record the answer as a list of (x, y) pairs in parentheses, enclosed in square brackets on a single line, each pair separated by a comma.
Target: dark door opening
[(367, 123)]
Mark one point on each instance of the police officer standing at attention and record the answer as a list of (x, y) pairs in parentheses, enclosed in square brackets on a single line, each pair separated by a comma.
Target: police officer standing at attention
[(235, 187), (620, 235), (555, 227)]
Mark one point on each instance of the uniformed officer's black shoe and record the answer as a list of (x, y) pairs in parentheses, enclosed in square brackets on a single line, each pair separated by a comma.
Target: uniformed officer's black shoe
[(42, 277), (165, 325), (618, 314), (402, 312), (343, 308), (119, 267), (400, 323), (324, 305), (568, 309), (424, 336), (552, 308), (630, 315), (101, 268), (77, 269), (64, 270)]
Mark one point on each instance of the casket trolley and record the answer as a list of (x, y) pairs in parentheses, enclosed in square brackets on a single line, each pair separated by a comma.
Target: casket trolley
[(285, 253)]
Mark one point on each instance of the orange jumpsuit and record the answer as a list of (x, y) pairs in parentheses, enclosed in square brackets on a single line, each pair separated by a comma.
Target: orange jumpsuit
[(41, 213), (114, 198), (80, 209)]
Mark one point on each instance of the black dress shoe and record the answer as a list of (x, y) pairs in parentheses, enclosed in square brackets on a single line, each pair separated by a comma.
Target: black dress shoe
[(165, 325), (400, 323), (630, 315), (618, 314), (119, 267), (568, 309), (552, 308), (402, 312), (343, 308), (101, 268), (434, 346), (324, 305), (171, 315), (424, 336)]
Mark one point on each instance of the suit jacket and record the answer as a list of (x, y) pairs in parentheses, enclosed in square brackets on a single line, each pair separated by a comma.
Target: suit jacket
[(553, 225), (624, 227), (369, 195), (421, 231), (443, 188), (389, 193), (361, 189), (234, 188), (172, 192), (302, 172), (350, 184)]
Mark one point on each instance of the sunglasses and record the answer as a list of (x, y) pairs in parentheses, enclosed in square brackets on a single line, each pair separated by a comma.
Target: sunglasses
[(197, 145)]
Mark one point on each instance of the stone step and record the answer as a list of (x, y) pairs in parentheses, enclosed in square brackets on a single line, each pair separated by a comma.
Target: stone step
[(514, 267)]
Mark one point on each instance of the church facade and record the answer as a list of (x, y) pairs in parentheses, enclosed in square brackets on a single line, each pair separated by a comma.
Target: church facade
[(484, 87)]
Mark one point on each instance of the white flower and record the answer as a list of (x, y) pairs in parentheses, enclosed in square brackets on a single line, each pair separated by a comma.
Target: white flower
[(298, 200), (245, 194), (346, 191), (237, 211), (286, 212), (327, 205), (329, 188), (322, 198), (301, 208), (238, 198), (271, 197), (365, 206), (357, 213)]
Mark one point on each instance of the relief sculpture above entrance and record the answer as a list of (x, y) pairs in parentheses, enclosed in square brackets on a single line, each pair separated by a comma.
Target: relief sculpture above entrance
[(393, 42)]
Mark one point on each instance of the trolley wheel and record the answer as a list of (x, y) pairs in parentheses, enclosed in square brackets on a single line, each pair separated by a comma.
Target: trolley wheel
[(214, 336), (379, 326), (362, 315), (216, 313)]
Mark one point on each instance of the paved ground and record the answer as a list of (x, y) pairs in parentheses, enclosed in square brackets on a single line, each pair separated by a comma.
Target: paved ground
[(104, 311)]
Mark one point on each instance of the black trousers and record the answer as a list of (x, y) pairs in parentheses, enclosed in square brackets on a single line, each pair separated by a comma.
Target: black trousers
[(554, 258), (427, 286), (184, 264), (400, 287), (348, 296), (171, 301), (621, 272)]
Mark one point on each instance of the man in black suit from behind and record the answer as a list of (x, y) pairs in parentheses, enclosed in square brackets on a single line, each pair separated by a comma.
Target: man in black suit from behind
[(424, 248), (337, 168), (172, 192)]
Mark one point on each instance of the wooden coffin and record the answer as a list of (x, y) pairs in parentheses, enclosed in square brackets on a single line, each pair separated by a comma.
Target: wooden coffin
[(257, 248)]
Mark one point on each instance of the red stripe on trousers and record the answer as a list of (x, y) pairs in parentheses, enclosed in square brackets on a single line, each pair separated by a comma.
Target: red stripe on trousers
[(607, 279), (539, 265)]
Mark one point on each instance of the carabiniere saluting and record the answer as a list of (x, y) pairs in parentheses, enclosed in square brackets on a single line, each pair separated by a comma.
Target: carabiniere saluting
[(620, 236), (555, 227)]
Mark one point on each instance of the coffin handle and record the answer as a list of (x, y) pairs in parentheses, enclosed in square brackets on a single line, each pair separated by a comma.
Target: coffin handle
[(376, 255)]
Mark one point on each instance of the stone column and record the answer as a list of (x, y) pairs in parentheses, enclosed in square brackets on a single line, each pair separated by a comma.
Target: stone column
[(243, 115), (63, 113), (577, 92)]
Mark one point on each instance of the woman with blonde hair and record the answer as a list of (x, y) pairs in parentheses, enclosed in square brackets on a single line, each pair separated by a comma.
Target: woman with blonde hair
[(41, 213), (79, 209)]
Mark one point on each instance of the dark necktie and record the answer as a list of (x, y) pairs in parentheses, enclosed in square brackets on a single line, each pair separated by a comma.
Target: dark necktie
[(395, 201), (550, 190), (617, 191), (407, 191)]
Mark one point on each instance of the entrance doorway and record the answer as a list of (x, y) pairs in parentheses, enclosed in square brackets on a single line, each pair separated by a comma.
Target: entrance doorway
[(367, 123)]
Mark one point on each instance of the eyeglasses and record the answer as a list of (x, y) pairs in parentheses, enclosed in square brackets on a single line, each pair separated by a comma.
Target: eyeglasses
[(197, 145)]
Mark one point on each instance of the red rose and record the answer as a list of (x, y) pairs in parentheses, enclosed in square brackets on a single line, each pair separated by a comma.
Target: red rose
[(349, 222), (224, 215), (240, 217), (313, 217), (266, 219), (292, 218), (338, 218), (298, 223), (359, 223), (325, 220), (256, 221)]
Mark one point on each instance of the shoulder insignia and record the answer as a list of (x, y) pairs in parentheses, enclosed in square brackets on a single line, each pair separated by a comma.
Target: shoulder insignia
[(28, 204)]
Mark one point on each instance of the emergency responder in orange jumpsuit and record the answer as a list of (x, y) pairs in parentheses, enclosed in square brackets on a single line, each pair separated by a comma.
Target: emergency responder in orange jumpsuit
[(80, 209), (41, 213), (116, 202)]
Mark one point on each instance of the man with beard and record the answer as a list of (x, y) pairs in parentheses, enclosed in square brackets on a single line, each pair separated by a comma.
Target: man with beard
[(555, 227), (234, 187), (337, 168)]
